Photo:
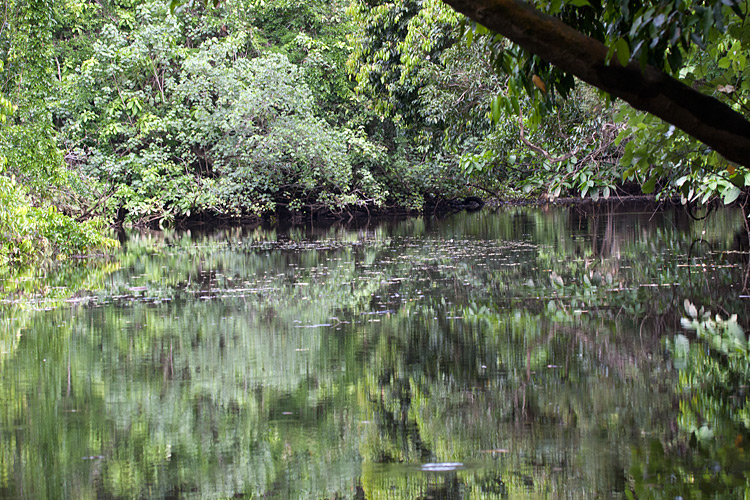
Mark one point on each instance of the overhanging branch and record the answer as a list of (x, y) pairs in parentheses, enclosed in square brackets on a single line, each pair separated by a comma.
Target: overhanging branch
[(651, 90)]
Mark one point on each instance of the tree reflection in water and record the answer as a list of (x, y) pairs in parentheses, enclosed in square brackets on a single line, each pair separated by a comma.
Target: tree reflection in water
[(524, 344)]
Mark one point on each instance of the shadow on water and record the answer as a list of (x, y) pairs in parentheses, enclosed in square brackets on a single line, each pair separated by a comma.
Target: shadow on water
[(508, 353)]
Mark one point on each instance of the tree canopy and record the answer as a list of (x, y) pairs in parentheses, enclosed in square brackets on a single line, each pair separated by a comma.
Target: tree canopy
[(686, 62)]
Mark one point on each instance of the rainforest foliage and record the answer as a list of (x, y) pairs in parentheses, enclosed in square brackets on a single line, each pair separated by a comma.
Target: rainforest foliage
[(151, 112)]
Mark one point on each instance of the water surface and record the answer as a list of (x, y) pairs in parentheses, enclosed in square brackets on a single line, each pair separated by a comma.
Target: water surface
[(516, 353)]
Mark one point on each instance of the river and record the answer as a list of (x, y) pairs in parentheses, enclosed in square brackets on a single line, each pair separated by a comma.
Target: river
[(524, 352)]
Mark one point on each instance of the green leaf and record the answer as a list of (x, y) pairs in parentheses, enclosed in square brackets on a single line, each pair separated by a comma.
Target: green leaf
[(496, 109), (622, 51), (649, 185), (515, 105), (579, 3), (731, 194)]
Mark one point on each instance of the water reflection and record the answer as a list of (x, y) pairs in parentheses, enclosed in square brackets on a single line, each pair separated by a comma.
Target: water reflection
[(507, 354)]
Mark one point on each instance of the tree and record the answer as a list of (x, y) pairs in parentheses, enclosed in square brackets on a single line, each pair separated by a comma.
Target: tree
[(446, 99), (642, 82), (33, 180)]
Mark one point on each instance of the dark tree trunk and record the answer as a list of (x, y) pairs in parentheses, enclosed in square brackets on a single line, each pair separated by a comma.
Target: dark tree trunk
[(651, 90)]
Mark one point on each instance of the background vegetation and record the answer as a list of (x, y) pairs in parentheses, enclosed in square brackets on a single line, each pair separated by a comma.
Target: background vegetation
[(142, 112)]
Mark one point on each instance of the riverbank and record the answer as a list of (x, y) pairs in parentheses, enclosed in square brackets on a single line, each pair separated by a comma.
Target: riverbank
[(439, 208)]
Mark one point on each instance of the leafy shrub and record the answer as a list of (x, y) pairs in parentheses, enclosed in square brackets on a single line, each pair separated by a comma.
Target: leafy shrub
[(171, 131), (29, 233)]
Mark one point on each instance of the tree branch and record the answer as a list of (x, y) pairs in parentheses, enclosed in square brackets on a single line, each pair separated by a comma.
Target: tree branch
[(651, 90), (539, 149)]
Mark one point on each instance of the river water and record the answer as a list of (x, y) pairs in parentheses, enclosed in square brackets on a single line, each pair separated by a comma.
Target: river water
[(508, 353)]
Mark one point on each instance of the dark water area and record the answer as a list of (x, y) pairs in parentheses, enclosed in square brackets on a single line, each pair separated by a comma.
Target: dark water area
[(509, 353)]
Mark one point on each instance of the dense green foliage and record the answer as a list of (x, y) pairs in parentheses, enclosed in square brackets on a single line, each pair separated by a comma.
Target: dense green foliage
[(468, 100), (714, 60), (31, 233), (138, 113), (581, 144), (34, 185), (198, 116)]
